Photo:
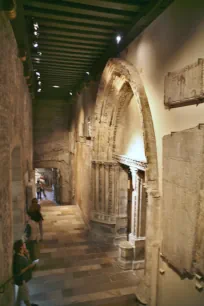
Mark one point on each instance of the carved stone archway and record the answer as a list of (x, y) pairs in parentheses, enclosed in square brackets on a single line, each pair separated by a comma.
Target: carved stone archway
[(119, 82)]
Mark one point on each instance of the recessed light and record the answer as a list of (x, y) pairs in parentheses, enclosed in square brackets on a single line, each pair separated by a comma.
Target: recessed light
[(39, 53), (38, 73), (70, 93), (36, 33), (39, 89), (55, 86), (118, 39), (35, 44), (39, 83), (87, 73), (36, 26)]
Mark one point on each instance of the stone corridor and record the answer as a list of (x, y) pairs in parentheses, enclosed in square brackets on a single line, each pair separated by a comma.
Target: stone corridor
[(76, 270)]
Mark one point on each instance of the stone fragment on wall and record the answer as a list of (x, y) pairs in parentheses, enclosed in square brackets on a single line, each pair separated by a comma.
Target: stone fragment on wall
[(183, 166)]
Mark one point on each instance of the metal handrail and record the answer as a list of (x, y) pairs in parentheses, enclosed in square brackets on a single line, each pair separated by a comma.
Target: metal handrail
[(2, 286)]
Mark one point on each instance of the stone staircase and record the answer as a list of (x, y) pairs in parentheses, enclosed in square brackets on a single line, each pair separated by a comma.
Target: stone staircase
[(76, 270)]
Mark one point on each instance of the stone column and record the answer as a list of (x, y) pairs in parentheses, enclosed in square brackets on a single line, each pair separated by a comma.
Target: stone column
[(135, 238), (135, 198)]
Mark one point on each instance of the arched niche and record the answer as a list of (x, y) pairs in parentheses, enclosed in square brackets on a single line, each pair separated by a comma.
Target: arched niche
[(120, 86)]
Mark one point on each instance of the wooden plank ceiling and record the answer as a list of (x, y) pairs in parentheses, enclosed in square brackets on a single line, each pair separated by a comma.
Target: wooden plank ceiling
[(73, 36)]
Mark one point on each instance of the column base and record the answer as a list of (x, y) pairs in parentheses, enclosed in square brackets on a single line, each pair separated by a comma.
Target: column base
[(139, 247), (138, 264), (125, 255)]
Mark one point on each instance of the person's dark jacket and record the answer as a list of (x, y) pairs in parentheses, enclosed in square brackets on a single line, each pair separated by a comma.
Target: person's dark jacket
[(20, 263), (35, 216)]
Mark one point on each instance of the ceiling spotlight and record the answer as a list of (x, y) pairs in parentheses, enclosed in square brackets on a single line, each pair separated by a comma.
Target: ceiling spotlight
[(38, 73), (55, 86), (38, 77), (36, 26), (39, 53), (118, 39), (35, 44), (39, 89), (36, 33), (37, 60), (87, 73), (39, 83), (70, 93)]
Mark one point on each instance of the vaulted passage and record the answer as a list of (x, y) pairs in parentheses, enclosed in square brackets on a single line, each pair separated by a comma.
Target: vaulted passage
[(101, 134)]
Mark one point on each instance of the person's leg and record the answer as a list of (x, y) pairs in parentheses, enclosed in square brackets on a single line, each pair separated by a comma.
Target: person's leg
[(18, 298), (41, 229), (25, 294)]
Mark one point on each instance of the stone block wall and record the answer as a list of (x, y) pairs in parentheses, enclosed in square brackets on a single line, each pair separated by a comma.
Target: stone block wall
[(51, 141), (183, 207), (81, 147), (15, 132)]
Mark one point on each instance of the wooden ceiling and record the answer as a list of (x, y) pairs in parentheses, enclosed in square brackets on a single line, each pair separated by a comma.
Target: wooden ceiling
[(76, 37)]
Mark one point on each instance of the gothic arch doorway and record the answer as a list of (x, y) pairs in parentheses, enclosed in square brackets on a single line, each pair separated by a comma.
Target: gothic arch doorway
[(120, 84)]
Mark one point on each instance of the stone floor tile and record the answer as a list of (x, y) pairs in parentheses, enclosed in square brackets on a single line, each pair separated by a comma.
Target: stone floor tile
[(81, 274), (74, 268)]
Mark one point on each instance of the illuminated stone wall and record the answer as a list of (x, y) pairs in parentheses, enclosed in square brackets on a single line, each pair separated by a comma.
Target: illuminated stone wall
[(51, 142), (15, 136)]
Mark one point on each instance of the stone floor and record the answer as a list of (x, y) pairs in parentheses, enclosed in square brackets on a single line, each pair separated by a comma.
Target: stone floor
[(75, 270)]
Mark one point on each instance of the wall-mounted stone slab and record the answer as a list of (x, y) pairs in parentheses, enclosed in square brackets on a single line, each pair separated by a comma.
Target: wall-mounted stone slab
[(183, 205), (185, 86)]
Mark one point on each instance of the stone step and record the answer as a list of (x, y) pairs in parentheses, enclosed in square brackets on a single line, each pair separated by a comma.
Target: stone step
[(125, 300)]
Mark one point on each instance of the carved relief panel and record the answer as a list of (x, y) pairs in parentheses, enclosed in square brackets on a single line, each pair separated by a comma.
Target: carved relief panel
[(183, 205), (109, 183), (185, 86)]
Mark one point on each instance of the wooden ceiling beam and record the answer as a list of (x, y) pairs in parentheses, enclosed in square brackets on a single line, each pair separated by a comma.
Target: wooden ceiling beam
[(75, 28), (74, 33), (66, 38), (30, 11), (64, 55), (63, 65), (70, 51), (110, 4), (62, 59), (69, 45), (85, 13), (60, 69)]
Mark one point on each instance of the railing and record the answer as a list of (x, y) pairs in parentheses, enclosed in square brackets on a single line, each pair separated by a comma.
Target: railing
[(3, 286)]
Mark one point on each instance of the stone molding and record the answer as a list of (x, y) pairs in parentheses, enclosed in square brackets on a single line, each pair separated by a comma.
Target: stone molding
[(132, 163), (103, 218)]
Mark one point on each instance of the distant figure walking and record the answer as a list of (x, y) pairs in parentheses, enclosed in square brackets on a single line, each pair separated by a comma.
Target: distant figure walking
[(32, 236), (34, 212), (38, 188), (43, 190)]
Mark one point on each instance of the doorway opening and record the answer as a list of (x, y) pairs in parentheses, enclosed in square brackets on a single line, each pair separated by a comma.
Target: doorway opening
[(48, 184)]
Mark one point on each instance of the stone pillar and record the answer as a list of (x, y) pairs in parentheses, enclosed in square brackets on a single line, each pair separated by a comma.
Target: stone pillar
[(137, 237)]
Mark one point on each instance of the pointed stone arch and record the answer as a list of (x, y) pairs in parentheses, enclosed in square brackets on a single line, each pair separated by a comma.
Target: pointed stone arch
[(119, 81)]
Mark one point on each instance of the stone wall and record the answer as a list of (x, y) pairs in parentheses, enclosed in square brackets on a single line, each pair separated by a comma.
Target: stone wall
[(51, 141), (183, 206), (81, 148), (15, 133)]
